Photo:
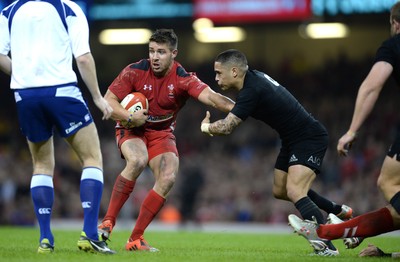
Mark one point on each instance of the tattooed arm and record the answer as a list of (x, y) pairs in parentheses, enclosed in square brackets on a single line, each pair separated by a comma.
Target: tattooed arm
[(221, 127)]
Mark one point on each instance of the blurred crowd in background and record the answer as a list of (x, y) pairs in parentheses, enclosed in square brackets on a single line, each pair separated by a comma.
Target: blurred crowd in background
[(224, 179)]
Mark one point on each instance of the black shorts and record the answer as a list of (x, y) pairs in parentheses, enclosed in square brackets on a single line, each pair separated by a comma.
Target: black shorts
[(394, 149), (308, 150)]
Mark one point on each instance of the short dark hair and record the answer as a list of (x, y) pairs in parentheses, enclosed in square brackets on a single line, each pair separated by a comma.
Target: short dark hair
[(165, 36), (233, 57)]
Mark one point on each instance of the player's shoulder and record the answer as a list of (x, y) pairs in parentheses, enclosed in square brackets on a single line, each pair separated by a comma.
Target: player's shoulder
[(389, 48), (181, 71), (257, 78), (7, 9), (143, 65), (73, 7)]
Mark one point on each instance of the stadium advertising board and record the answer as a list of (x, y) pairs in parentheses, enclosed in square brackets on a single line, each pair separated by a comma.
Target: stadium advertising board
[(252, 10)]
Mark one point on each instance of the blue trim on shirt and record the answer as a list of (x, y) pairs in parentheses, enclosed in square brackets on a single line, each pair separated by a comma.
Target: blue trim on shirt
[(63, 11), (41, 91)]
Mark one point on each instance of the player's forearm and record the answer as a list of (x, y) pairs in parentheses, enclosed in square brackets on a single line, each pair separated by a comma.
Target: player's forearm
[(369, 92), (365, 102), (220, 127), (119, 113), (224, 126), (216, 100), (224, 103), (87, 69)]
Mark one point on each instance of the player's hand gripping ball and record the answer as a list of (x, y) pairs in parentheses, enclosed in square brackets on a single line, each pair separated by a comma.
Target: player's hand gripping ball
[(135, 101)]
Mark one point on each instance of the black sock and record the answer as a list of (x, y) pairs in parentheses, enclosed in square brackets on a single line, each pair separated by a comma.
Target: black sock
[(395, 202), (323, 203), (308, 209)]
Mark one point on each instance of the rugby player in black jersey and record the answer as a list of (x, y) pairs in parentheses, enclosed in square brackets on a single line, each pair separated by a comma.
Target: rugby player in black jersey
[(304, 139)]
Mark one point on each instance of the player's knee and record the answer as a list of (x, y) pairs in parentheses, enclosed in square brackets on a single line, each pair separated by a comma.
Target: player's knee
[(168, 178), (136, 163), (165, 182), (383, 184), (294, 193), (89, 155)]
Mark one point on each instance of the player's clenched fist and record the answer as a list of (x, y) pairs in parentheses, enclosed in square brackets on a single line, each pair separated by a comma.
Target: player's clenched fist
[(345, 143)]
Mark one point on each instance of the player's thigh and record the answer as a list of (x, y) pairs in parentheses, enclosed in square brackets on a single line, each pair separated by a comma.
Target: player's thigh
[(163, 154), (42, 156), (389, 178), (85, 142)]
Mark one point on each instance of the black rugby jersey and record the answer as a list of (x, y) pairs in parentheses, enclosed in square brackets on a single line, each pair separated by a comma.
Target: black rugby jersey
[(264, 99), (389, 52)]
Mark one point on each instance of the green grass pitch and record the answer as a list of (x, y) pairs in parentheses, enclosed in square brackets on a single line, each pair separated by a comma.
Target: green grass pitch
[(20, 244)]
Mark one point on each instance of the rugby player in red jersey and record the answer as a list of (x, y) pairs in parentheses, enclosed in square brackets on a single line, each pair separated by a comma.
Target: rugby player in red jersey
[(146, 137)]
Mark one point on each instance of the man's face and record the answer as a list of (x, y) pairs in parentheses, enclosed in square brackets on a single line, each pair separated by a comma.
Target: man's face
[(394, 27), (161, 57), (223, 76)]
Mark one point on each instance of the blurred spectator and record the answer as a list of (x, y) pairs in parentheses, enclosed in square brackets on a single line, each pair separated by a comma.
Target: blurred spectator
[(192, 181)]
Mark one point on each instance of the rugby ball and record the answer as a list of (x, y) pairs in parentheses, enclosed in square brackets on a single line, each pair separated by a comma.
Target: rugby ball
[(135, 101)]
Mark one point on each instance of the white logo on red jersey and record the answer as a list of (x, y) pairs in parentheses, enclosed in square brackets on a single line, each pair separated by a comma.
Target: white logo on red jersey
[(147, 87), (171, 90)]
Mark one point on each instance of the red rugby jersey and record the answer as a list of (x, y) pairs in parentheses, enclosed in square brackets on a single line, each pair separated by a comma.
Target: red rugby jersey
[(166, 95)]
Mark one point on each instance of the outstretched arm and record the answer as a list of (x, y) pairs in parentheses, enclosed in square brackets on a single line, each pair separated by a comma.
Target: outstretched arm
[(221, 127), (216, 100)]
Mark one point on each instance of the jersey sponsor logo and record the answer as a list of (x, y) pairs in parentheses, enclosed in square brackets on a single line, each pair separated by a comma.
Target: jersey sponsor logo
[(147, 87), (155, 119), (86, 204), (293, 158), (73, 127), (315, 160), (44, 211), (87, 117)]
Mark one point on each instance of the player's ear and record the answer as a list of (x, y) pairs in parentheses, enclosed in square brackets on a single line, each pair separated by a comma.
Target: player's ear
[(234, 72), (174, 53)]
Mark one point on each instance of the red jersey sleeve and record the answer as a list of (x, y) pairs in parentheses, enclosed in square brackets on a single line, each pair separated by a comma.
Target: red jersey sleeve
[(194, 85), (124, 83)]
